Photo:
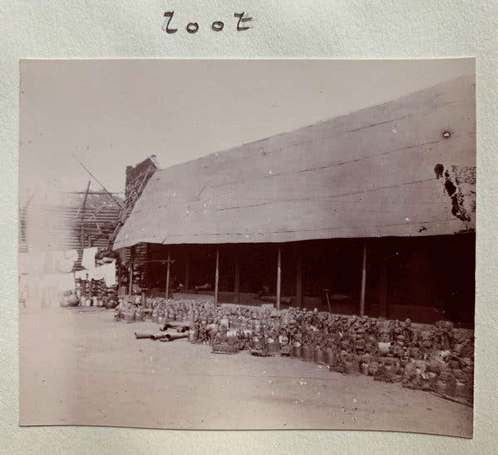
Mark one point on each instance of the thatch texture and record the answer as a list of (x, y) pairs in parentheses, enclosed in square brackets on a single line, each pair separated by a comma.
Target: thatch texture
[(57, 221), (366, 174)]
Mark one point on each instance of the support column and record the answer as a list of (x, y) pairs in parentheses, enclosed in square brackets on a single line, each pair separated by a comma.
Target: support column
[(132, 259), (383, 289), (279, 276), (299, 278), (217, 275), (168, 270), (363, 281), (187, 270), (236, 284)]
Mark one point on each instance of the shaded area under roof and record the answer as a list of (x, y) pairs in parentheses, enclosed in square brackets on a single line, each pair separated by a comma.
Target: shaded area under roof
[(366, 174)]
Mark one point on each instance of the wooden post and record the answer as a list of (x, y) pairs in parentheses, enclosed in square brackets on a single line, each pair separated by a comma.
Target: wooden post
[(363, 281), (87, 287), (279, 276), (82, 212), (236, 284), (383, 289), (217, 275), (299, 278), (132, 258), (187, 270), (168, 270)]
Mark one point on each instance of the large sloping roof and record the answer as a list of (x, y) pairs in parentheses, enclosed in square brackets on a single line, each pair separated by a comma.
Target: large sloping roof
[(366, 174)]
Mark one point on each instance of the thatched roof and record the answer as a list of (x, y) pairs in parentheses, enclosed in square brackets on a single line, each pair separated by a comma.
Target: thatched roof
[(55, 221), (367, 174)]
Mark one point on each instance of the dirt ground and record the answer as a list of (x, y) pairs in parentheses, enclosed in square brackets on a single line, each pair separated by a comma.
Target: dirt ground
[(78, 366)]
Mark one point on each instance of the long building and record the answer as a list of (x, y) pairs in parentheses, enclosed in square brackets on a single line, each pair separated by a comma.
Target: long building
[(368, 213)]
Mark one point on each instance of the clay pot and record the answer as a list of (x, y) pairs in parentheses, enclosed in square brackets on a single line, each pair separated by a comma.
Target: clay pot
[(257, 344), (460, 389), (373, 368), (319, 356), (352, 367), (441, 387), (391, 365), (457, 349), (73, 300), (306, 354), (384, 348), (273, 346), (329, 357), (111, 304)]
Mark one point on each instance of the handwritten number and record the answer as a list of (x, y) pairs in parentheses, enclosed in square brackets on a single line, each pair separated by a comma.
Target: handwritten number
[(166, 25), (217, 26), (242, 20), (192, 27)]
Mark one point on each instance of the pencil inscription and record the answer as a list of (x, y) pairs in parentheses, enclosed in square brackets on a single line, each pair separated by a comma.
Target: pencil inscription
[(216, 26)]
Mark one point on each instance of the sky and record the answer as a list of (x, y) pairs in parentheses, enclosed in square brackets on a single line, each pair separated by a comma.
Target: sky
[(114, 113)]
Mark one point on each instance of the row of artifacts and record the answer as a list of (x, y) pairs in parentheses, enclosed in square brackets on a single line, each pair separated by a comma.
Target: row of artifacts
[(437, 358)]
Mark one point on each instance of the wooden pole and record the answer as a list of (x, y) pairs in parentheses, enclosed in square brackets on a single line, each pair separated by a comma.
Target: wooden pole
[(299, 278), (168, 270), (187, 270), (279, 276), (236, 284), (82, 212), (132, 259), (363, 281), (383, 289), (217, 275)]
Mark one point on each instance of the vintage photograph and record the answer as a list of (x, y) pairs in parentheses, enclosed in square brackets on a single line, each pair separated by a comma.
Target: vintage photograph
[(248, 244)]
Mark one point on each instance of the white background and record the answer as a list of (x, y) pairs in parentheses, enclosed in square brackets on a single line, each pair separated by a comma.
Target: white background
[(298, 29)]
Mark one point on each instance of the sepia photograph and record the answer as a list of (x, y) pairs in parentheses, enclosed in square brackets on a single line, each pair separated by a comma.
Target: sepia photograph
[(248, 244)]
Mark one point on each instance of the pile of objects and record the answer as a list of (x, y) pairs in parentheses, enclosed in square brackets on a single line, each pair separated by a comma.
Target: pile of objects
[(108, 294), (97, 286), (95, 292), (437, 358), (131, 310)]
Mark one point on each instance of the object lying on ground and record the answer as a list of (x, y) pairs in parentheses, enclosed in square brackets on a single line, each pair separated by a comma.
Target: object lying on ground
[(172, 337), (143, 336), (273, 299), (435, 357), (160, 336), (260, 352), (204, 287), (181, 327)]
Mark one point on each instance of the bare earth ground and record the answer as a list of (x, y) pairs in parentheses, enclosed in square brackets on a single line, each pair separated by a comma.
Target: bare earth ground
[(81, 367)]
